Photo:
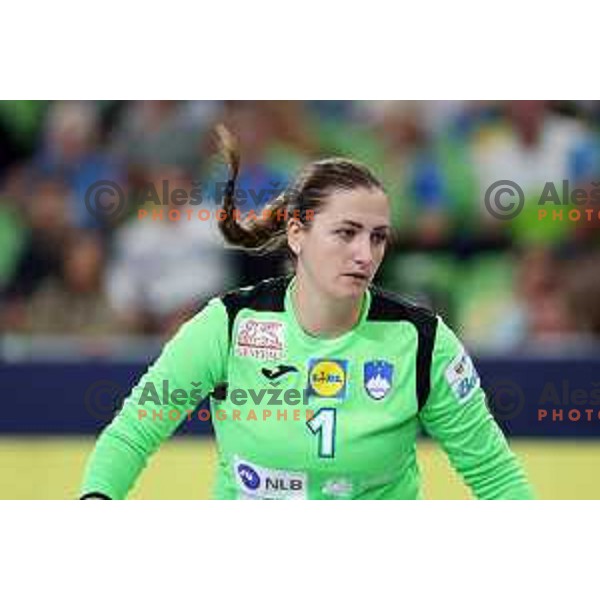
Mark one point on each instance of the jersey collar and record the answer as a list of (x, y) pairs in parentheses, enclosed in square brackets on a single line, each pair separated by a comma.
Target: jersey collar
[(312, 339)]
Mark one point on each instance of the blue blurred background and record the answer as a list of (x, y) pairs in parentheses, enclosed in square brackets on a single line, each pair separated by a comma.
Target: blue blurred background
[(88, 300)]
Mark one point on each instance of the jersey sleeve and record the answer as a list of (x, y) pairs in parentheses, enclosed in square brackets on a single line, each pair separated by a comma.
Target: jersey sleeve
[(457, 416), (192, 362)]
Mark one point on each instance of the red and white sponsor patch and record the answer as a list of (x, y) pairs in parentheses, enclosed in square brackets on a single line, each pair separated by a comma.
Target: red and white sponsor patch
[(260, 339)]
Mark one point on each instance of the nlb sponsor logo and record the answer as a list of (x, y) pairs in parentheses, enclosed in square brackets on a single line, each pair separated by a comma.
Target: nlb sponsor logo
[(260, 483)]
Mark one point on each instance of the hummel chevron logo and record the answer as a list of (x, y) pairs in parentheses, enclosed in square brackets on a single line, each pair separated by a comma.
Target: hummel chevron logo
[(278, 372)]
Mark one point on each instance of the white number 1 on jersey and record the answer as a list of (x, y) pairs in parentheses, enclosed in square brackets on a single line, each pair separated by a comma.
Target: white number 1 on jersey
[(323, 423)]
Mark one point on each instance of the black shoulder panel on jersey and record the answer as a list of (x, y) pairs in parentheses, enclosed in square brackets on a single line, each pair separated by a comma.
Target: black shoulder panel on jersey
[(386, 306), (268, 295)]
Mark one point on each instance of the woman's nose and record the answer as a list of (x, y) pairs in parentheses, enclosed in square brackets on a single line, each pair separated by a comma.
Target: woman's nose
[(363, 252)]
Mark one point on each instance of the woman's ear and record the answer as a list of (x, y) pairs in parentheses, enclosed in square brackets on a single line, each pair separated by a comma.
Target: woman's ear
[(294, 235)]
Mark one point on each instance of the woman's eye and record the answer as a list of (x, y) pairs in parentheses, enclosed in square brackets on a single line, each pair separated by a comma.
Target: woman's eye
[(346, 234), (378, 238)]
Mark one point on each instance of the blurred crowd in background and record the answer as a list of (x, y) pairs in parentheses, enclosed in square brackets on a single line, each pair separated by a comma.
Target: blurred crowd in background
[(503, 285)]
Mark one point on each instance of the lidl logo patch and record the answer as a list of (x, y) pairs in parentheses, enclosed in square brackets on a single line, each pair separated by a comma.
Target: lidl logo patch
[(327, 377)]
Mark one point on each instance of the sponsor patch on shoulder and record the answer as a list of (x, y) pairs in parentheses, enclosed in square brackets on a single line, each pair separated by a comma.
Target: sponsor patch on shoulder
[(264, 340), (462, 377)]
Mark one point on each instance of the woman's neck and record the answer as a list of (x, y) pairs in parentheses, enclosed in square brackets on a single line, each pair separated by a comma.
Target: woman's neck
[(322, 316)]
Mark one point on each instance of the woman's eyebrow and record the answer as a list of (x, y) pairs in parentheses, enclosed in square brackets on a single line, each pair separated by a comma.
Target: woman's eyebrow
[(352, 223), (360, 226)]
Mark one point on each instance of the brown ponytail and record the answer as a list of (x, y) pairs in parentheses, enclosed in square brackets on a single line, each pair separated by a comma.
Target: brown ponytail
[(303, 198), (260, 235)]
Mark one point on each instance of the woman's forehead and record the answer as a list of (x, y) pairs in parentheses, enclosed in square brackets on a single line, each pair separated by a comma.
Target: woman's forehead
[(360, 205)]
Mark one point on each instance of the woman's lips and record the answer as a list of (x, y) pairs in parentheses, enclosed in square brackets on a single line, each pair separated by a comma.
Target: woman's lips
[(357, 276)]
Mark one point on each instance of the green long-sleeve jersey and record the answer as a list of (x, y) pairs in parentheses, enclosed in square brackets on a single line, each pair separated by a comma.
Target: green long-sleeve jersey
[(307, 417)]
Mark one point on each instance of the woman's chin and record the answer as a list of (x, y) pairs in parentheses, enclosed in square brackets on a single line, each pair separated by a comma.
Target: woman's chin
[(351, 288)]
